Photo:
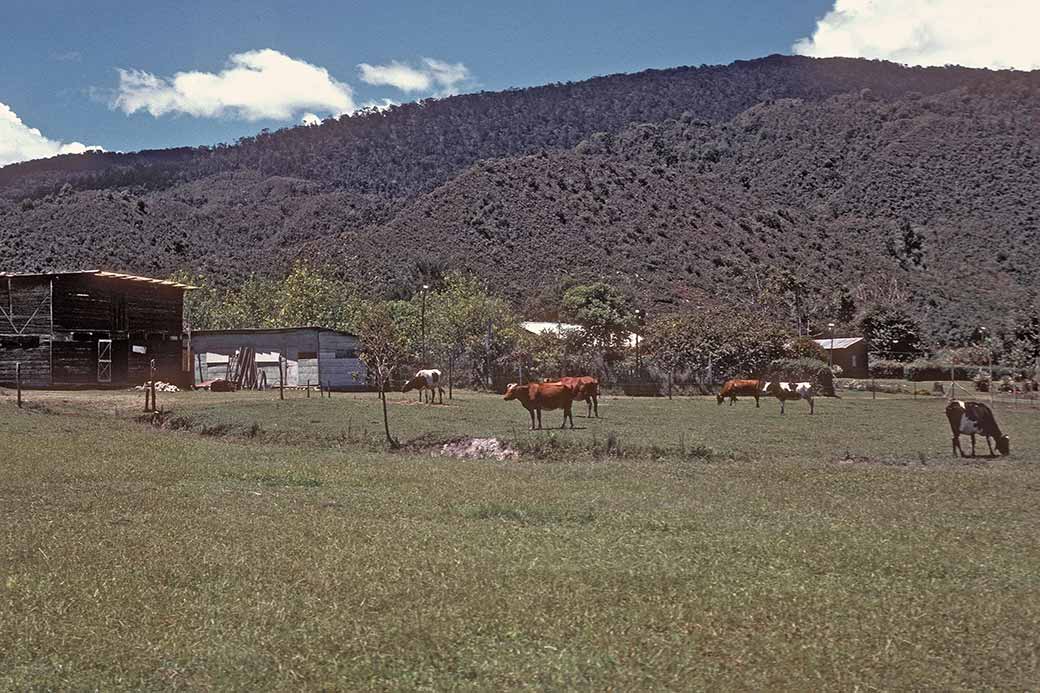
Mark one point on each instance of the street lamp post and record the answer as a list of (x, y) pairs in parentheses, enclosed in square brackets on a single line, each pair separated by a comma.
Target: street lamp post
[(830, 354), (989, 359), (425, 288), (639, 323)]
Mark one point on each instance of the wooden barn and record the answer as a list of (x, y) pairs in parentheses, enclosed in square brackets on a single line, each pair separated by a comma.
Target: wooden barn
[(848, 352), (313, 355), (90, 329)]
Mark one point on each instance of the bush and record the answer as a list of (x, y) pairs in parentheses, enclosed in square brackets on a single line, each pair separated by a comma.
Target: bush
[(814, 370), (888, 369)]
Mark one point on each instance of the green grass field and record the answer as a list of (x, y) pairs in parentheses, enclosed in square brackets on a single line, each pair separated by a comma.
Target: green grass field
[(277, 545)]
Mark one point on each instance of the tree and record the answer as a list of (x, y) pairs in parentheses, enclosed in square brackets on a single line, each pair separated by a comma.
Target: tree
[(312, 297), (464, 320), (670, 341), (892, 333), (605, 314), (383, 347)]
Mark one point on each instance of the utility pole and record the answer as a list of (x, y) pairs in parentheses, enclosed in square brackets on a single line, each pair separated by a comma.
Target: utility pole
[(425, 288)]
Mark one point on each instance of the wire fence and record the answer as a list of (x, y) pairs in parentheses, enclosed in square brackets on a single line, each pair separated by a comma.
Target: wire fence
[(1015, 394)]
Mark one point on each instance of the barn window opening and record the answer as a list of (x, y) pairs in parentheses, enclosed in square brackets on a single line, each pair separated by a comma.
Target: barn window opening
[(19, 342), (346, 353), (853, 360), (307, 355), (82, 295)]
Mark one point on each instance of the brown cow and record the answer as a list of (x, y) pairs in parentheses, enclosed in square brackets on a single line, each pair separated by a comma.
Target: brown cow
[(585, 388), (746, 388), (538, 396)]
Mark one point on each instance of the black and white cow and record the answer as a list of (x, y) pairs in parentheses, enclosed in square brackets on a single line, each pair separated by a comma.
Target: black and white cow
[(971, 419)]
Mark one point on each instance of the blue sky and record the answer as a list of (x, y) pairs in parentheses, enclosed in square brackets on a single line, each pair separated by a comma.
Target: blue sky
[(61, 59)]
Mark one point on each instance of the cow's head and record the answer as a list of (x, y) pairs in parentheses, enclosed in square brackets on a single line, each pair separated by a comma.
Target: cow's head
[(411, 384), (1004, 445), (510, 391), (719, 397)]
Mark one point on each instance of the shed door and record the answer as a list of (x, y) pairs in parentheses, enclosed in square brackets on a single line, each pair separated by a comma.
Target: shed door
[(104, 361)]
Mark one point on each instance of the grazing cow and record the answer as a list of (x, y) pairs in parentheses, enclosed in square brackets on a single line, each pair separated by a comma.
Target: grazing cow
[(538, 396), (585, 389), (971, 419), (789, 391), (746, 388), (427, 380)]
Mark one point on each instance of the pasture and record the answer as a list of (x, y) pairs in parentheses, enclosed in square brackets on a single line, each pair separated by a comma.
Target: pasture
[(670, 545)]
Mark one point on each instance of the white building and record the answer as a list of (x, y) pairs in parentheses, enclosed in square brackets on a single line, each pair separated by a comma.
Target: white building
[(313, 355)]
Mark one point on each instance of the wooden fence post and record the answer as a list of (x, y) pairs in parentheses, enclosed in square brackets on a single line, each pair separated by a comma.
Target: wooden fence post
[(18, 382), (308, 389), (281, 377), (151, 368)]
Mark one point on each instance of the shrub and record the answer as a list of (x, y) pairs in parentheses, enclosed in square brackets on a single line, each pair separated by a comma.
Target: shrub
[(804, 369), (888, 369)]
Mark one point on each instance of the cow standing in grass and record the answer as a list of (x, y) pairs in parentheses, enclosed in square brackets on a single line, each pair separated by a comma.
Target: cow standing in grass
[(426, 380), (538, 396), (790, 391), (585, 388), (971, 419), (745, 388)]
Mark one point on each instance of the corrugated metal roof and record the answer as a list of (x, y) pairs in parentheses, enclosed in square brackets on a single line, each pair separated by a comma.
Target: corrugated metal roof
[(554, 327), (838, 342), (107, 275), (272, 330), (559, 328)]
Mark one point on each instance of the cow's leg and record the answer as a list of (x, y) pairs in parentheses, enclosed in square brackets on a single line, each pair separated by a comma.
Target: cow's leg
[(531, 412), (957, 445), (539, 418), (989, 444), (732, 400), (440, 391), (756, 401), (595, 404), (568, 413), (812, 407), (781, 407), (973, 445)]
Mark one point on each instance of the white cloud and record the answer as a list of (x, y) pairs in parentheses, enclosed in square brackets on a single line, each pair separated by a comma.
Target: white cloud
[(19, 142), (255, 85), (996, 34), (438, 76), (397, 75), (380, 105)]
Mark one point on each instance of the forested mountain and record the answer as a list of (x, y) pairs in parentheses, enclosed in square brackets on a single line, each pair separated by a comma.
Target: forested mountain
[(683, 186)]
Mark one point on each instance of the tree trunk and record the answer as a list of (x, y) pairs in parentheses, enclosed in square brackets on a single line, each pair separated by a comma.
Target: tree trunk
[(386, 420), (671, 376), (451, 374)]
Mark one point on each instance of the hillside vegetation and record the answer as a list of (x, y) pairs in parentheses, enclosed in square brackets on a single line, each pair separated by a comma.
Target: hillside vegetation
[(684, 186)]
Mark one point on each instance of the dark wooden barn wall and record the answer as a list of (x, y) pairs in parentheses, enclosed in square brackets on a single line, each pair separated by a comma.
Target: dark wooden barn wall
[(87, 308), (129, 313), (25, 315)]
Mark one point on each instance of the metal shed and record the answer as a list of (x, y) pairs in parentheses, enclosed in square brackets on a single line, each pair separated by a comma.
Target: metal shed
[(90, 328), (313, 355)]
